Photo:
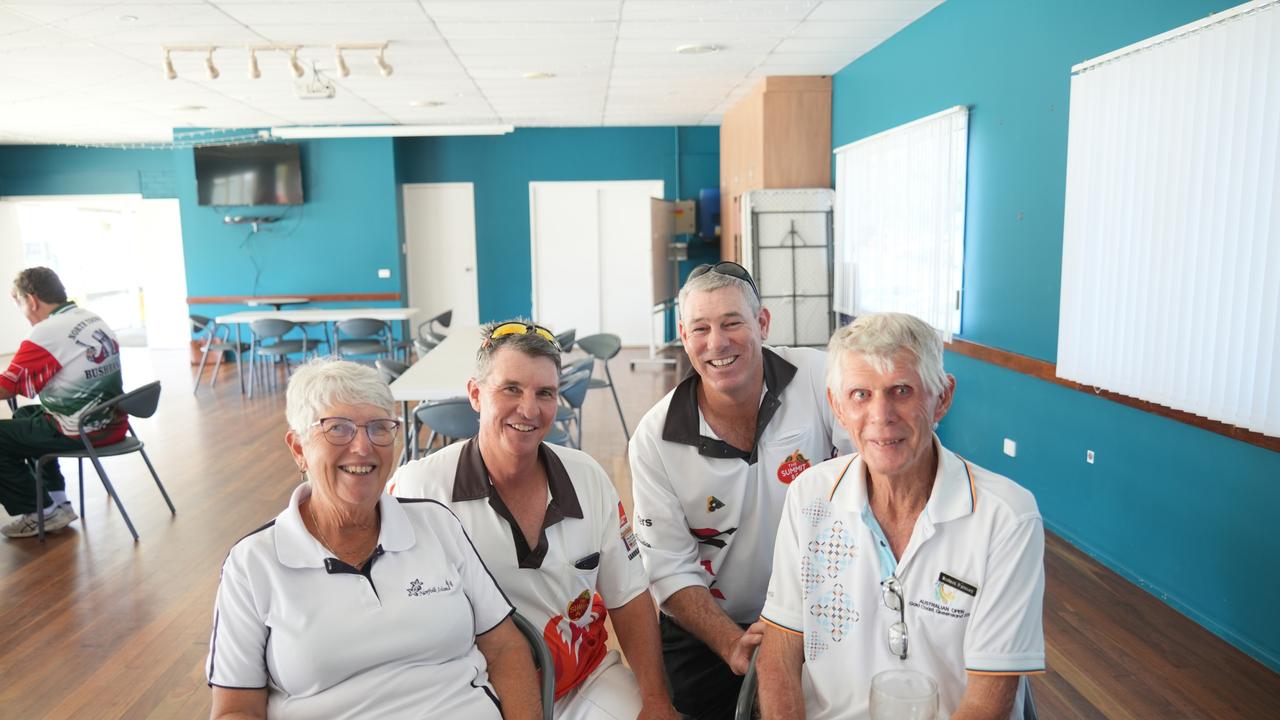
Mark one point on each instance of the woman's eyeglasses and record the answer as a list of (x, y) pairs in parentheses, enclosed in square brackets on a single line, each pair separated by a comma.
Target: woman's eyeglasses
[(891, 591), (520, 328), (341, 431), (726, 267)]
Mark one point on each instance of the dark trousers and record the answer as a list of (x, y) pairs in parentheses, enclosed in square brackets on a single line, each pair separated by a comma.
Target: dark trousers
[(27, 436), (702, 685)]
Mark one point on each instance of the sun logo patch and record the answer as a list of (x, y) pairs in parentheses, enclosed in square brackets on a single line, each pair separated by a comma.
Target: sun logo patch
[(713, 503), (792, 466)]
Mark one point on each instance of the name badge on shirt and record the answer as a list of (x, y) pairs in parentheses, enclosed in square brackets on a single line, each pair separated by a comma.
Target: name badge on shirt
[(958, 584)]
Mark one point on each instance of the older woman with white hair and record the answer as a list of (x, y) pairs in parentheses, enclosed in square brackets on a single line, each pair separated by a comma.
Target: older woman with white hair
[(351, 603), (903, 556)]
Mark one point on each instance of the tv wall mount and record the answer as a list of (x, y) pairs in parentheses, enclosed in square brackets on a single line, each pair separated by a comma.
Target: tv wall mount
[(252, 220)]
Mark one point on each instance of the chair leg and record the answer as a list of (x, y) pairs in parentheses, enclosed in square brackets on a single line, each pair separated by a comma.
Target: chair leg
[(614, 389), (147, 460), (204, 358), (111, 490), (213, 381), (40, 498), (81, 463)]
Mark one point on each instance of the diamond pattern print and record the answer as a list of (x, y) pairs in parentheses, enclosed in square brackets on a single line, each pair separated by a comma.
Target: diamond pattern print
[(834, 612), (813, 647), (810, 575), (816, 511), (832, 549)]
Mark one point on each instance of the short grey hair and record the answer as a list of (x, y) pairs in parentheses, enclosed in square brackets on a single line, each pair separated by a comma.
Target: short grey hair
[(531, 344), (324, 382), (877, 337), (712, 281)]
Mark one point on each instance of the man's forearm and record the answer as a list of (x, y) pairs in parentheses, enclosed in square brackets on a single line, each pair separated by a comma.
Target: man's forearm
[(778, 666), (637, 626), (988, 697), (696, 611)]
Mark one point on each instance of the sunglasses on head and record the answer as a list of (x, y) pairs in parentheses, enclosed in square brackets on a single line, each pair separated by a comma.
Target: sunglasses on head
[(726, 267), (519, 328)]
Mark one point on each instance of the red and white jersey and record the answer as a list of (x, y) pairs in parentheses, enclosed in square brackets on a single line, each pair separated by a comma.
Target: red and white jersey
[(586, 559), (72, 360)]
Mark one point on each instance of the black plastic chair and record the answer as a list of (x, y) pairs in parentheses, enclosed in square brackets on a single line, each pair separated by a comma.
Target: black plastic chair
[(390, 369), (269, 344), (137, 403), (566, 339), (605, 347), (448, 419), (362, 336), (435, 327), (542, 661), (216, 339)]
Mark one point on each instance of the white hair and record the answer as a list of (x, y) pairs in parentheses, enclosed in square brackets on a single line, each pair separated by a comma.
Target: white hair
[(322, 383), (878, 337), (711, 281)]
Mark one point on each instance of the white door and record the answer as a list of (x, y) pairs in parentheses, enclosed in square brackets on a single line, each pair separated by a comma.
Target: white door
[(13, 327), (164, 282), (592, 268), (440, 250)]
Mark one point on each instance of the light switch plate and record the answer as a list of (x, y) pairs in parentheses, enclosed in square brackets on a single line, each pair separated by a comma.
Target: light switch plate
[(1010, 448), (384, 273)]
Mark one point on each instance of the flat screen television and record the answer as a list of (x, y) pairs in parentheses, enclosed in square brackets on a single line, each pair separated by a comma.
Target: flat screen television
[(252, 174)]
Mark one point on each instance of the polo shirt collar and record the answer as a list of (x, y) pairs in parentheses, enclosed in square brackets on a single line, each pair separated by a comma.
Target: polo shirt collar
[(953, 495), (683, 424), (298, 548), (472, 482)]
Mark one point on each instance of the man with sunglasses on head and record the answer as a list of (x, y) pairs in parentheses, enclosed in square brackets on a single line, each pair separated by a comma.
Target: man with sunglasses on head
[(549, 525), (710, 466), (903, 556)]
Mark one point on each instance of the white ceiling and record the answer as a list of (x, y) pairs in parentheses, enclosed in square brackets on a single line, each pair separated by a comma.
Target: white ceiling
[(86, 71)]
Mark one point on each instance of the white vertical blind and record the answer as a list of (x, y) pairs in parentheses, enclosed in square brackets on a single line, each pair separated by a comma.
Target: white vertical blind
[(900, 220), (1171, 239)]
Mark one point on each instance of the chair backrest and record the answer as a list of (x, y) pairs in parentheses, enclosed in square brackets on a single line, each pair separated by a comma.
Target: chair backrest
[(200, 323), (140, 402), (390, 369), (362, 328), (451, 418), (578, 366), (565, 339), (271, 328), (574, 386), (542, 659), (603, 346)]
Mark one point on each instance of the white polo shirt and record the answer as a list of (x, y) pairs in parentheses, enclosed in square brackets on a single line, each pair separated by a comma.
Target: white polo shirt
[(586, 559), (706, 512), (972, 575), (329, 641)]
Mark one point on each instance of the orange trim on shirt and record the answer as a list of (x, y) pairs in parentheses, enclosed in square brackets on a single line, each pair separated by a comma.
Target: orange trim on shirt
[(783, 628), (832, 494), (990, 673)]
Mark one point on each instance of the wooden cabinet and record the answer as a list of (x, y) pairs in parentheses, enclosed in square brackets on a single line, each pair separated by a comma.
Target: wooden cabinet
[(778, 136)]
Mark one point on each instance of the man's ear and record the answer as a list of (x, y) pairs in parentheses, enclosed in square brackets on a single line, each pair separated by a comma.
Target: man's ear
[(764, 319), (473, 393), (944, 400)]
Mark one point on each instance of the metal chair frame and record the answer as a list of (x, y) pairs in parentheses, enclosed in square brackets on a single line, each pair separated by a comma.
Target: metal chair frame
[(542, 661), (449, 420), (142, 403), (273, 329), (364, 336), (218, 340), (604, 347)]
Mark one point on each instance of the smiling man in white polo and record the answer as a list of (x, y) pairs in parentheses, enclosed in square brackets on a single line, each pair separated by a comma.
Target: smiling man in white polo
[(903, 556)]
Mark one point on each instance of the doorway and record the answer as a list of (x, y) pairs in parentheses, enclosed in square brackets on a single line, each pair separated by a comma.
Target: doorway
[(591, 252), (440, 250)]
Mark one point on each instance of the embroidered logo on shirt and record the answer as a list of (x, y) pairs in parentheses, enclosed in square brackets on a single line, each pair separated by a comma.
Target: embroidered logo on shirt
[(417, 589), (713, 503), (578, 606), (792, 466), (628, 535)]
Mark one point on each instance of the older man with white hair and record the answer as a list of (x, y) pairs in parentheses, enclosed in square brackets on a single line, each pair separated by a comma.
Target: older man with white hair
[(904, 555), (710, 465)]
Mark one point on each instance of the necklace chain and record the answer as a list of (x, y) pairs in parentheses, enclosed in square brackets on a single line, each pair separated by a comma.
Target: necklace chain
[(311, 510)]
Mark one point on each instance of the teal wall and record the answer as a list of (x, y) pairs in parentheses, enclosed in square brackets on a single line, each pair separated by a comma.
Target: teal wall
[(503, 166), (351, 223), (1182, 512)]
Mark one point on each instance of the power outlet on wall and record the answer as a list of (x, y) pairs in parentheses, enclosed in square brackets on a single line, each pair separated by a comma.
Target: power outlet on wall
[(384, 273), (1088, 456), (1010, 448)]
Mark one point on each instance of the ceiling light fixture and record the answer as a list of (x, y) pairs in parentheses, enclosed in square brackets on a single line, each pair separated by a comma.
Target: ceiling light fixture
[(169, 72), (538, 75), (298, 70), (209, 68), (254, 71), (343, 70), (311, 132), (696, 49), (381, 62), (425, 103)]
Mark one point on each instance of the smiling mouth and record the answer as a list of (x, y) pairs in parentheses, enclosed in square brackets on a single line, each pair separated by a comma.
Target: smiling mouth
[(360, 470), (722, 362), (522, 427), (885, 443)]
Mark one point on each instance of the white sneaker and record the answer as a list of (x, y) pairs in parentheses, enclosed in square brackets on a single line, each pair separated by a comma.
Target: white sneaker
[(25, 525), (68, 508)]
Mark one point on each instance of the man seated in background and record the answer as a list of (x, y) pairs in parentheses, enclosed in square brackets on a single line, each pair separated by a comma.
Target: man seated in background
[(710, 465), (72, 360), (548, 524), (903, 556)]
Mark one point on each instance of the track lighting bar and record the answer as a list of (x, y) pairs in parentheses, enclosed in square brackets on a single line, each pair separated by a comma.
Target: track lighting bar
[(295, 65)]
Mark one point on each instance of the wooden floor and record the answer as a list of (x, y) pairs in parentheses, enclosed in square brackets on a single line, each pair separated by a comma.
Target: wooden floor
[(93, 625)]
